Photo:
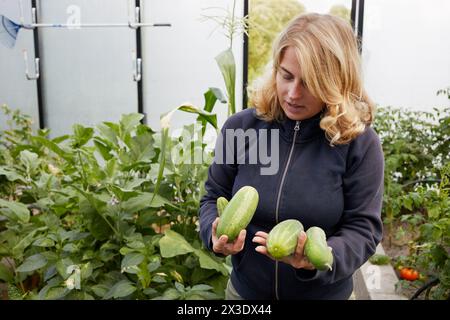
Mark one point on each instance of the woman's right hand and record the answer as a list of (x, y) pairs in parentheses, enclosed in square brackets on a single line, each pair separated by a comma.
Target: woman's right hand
[(221, 245)]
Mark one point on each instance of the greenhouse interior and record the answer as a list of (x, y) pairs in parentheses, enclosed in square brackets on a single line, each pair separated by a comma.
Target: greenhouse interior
[(224, 150)]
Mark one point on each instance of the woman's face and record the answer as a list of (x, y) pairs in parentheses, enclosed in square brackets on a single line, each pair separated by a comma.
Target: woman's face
[(295, 99)]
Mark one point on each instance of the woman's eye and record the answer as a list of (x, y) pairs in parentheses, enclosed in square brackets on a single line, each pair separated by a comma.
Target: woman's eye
[(287, 77)]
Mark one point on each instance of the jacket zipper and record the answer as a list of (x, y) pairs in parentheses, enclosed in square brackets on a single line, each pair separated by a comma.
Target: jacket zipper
[(296, 129)]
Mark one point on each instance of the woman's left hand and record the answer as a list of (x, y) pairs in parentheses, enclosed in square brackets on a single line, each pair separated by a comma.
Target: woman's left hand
[(298, 260)]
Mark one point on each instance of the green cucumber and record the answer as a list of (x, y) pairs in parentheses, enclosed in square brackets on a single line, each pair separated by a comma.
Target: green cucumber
[(283, 238), (221, 205), (238, 213), (317, 250)]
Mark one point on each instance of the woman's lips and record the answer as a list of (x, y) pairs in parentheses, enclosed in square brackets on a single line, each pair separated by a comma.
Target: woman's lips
[(294, 107)]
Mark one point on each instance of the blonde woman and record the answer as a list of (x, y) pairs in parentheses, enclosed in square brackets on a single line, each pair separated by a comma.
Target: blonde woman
[(314, 117)]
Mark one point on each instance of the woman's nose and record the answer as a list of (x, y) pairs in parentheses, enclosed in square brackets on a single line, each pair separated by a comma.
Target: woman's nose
[(294, 91)]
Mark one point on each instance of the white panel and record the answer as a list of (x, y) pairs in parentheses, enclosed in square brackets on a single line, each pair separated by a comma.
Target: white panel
[(406, 52), (87, 73), (15, 90), (324, 6), (179, 61)]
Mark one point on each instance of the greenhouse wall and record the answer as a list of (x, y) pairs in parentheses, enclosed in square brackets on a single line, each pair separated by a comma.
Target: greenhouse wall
[(87, 74), (405, 52), (15, 90)]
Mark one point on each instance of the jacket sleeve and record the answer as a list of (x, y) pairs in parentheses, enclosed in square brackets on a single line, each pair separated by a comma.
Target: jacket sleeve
[(219, 183), (361, 228)]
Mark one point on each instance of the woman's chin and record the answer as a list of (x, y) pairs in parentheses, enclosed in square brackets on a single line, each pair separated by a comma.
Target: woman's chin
[(295, 113)]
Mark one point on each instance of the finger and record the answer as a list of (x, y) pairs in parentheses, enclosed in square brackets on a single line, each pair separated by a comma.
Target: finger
[(308, 265), (219, 244), (300, 243), (260, 240), (262, 250), (223, 239), (262, 234), (239, 244), (214, 224), (214, 228)]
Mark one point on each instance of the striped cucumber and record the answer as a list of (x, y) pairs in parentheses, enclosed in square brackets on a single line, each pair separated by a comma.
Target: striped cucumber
[(317, 249), (238, 213), (282, 239), (222, 202)]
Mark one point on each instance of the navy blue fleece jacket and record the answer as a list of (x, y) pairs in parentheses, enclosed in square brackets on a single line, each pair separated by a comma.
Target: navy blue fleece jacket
[(337, 188)]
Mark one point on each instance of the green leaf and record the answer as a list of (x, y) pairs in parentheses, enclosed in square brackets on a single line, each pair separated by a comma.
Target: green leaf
[(201, 287), (179, 287), (407, 203), (159, 279), (93, 209), (154, 265), (208, 262), (131, 259), (61, 138), (128, 122), (141, 147), (125, 250), (53, 147), (103, 149), (44, 242), (81, 135), (142, 201), (6, 274), (211, 96), (10, 174), (203, 115), (174, 244), (210, 100), (121, 289), (134, 183), (108, 134), (123, 194), (63, 266), (150, 291), (30, 160), (86, 270), (19, 209), (32, 263), (100, 290), (111, 169), (434, 212), (56, 293), (227, 66), (25, 242), (170, 294)]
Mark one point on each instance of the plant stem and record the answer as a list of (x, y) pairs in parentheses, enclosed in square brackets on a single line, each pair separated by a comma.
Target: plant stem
[(16, 275), (232, 25), (82, 172)]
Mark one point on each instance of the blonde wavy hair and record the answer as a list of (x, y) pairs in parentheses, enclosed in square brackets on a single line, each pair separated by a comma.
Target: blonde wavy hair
[(327, 52)]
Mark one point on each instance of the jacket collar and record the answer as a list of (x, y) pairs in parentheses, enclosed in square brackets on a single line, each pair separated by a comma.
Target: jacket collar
[(308, 129)]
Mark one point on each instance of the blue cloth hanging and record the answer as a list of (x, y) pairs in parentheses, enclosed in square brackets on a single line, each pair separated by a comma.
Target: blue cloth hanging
[(8, 31)]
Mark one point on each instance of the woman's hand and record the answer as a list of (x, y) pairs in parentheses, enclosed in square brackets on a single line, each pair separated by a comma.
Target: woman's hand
[(221, 245), (298, 260)]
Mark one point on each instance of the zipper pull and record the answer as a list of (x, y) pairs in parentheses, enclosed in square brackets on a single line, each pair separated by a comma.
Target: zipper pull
[(297, 125)]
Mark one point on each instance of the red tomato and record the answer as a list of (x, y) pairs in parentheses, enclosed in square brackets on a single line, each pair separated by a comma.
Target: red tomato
[(409, 274)]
